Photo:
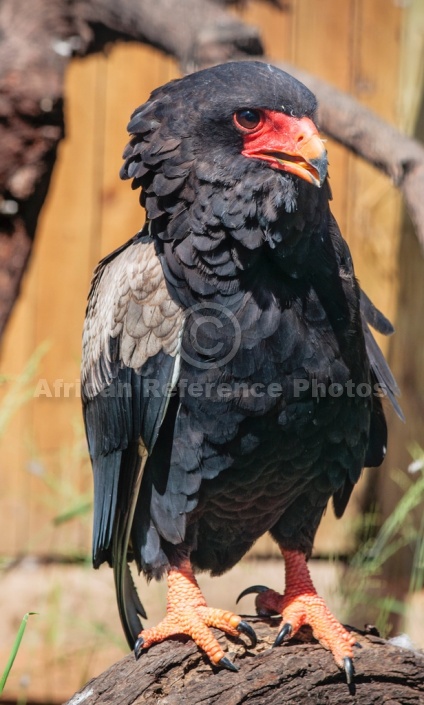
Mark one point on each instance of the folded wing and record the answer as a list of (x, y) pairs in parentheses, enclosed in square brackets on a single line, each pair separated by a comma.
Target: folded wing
[(131, 344)]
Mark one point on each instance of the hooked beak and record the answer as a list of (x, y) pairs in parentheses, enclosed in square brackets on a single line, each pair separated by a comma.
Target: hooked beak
[(290, 144)]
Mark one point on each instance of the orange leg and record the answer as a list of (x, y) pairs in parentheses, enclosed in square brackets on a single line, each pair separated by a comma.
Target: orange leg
[(301, 605), (187, 613)]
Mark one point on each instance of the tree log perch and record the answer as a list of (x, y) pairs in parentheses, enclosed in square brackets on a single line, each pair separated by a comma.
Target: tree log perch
[(173, 673)]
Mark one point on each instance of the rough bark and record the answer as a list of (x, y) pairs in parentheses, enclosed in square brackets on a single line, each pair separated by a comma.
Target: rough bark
[(31, 125), (174, 673)]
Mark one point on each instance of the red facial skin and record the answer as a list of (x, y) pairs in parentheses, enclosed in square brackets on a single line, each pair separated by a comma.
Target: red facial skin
[(288, 143)]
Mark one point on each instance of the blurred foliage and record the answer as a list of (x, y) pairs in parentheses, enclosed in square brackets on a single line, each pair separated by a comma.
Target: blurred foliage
[(16, 391), (403, 529)]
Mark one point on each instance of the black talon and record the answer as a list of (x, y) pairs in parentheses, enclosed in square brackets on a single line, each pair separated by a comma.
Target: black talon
[(252, 590), (138, 646), (348, 667), (245, 628), (285, 630), (226, 663)]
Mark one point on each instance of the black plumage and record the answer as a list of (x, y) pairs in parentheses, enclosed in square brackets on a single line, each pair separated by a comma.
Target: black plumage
[(212, 340)]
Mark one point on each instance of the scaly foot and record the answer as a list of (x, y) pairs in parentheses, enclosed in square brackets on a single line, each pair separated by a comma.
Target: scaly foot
[(187, 613), (301, 605)]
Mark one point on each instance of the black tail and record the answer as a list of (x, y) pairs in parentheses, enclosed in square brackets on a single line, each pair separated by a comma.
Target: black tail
[(129, 605)]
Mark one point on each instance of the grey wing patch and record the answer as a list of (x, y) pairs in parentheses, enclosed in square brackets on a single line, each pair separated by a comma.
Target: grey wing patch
[(130, 317)]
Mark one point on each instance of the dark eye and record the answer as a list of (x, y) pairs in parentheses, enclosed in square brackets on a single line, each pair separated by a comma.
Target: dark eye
[(247, 119)]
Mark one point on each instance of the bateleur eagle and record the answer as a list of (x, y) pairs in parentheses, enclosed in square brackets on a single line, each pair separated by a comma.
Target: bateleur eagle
[(231, 384)]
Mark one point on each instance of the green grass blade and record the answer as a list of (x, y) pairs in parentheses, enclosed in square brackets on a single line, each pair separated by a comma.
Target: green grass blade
[(14, 651)]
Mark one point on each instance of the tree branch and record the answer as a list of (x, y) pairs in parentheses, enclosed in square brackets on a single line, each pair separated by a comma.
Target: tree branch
[(174, 673), (196, 33)]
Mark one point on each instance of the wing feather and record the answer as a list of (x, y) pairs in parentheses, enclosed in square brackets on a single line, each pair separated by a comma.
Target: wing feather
[(383, 376), (131, 342), (130, 316), (371, 316)]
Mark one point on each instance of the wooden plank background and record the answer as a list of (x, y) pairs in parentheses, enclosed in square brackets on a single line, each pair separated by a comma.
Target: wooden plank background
[(89, 212), (362, 47)]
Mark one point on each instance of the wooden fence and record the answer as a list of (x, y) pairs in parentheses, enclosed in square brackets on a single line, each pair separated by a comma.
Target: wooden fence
[(89, 212), (369, 48)]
